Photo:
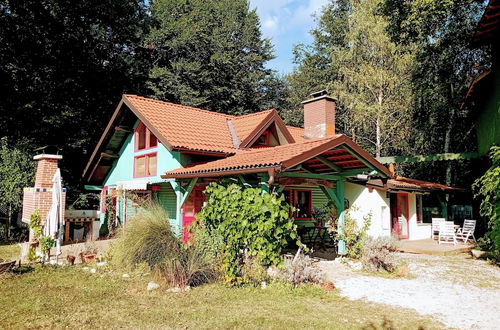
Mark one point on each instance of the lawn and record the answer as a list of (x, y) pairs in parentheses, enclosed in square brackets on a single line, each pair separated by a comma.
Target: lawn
[(10, 252), (72, 297)]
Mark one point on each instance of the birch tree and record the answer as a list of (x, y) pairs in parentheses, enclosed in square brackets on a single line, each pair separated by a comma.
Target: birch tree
[(374, 86)]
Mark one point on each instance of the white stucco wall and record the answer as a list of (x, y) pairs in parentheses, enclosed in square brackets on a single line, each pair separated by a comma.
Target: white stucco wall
[(362, 202), (376, 203)]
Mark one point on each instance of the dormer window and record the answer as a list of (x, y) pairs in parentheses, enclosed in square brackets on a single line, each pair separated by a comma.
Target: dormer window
[(144, 139)]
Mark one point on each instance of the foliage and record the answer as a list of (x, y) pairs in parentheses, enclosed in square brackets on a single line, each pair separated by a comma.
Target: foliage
[(148, 239), (353, 236), (445, 66), (46, 243), (63, 68), (378, 254), (324, 214), (253, 273), (300, 270), (210, 54), (31, 256), (16, 172), (36, 224), (252, 224), (487, 188)]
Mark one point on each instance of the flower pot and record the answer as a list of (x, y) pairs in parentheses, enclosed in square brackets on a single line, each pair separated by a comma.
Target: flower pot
[(86, 258)]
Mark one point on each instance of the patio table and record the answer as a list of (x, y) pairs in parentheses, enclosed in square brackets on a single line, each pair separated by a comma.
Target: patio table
[(313, 236)]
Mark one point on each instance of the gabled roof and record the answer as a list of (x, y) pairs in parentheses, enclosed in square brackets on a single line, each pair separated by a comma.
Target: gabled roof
[(280, 158)]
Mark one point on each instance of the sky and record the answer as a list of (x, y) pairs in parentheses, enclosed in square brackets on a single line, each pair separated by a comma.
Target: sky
[(286, 23)]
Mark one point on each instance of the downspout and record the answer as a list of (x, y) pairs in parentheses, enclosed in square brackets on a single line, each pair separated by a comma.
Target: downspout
[(272, 174)]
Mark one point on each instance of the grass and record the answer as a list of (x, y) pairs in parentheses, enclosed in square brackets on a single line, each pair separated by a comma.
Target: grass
[(72, 297), (10, 252)]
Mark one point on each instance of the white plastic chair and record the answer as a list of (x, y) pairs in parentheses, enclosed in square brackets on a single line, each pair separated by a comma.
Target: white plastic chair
[(447, 233), (435, 226), (467, 231)]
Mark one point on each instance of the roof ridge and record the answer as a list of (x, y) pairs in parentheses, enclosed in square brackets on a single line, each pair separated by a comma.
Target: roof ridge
[(284, 146), (253, 114), (180, 105)]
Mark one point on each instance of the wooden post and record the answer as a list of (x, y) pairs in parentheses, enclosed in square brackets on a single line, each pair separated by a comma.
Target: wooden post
[(263, 178), (340, 210)]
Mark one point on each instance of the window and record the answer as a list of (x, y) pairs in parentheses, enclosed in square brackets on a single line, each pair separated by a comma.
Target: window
[(301, 200), (144, 139), (145, 165)]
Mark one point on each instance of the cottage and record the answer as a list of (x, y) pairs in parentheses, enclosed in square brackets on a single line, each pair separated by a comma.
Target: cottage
[(169, 152)]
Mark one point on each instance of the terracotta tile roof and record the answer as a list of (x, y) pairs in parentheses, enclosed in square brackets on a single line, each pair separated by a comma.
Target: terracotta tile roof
[(280, 158), (297, 133), (488, 27), (407, 184), (245, 125), (183, 127)]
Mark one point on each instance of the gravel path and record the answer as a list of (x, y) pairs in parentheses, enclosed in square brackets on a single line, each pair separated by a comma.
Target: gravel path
[(460, 292)]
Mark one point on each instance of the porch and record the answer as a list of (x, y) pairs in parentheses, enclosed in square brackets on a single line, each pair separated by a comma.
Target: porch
[(431, 247)]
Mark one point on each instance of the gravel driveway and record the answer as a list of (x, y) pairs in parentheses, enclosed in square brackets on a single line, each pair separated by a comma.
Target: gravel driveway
[(460, 292)]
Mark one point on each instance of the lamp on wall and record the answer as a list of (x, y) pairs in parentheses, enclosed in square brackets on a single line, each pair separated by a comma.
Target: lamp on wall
[(364, 177)]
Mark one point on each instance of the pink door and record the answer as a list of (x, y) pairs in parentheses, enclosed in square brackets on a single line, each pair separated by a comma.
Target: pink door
[(193, 205), (400, 215)]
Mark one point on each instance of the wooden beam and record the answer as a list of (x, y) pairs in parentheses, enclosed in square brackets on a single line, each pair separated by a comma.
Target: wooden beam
[(309, 176), (305, 182), (428, 158), (108, 155), (243, 181), (123, 129), (329, 163), (188, 190), (263, 178), (358, 157), (330, 193)]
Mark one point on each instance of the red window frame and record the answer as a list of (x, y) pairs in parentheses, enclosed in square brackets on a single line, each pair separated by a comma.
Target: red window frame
[(147, 138), (146, 165), (293, 198)]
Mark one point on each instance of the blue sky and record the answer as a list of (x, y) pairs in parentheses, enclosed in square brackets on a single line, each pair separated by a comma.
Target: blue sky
[(286, 23)]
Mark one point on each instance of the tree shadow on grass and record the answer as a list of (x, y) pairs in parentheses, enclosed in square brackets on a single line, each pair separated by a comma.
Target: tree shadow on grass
[(385, 325)]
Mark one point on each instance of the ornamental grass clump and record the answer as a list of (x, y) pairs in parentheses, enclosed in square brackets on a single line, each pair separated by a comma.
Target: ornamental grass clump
[(147, 239), (379, 254)]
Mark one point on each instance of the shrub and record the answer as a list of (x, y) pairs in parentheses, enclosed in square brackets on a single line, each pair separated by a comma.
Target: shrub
[(300, 270), (378, 254), (252, 224), (487, 188), (353, 236), (36, 224), (253, 273), (147, 239)]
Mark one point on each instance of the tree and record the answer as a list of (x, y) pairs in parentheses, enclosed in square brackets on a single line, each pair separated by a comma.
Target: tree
[(63, 67), (16, 172), (354, 59), (487, 188), (210, 54), (374, 86), (442, 74), (315, 66)]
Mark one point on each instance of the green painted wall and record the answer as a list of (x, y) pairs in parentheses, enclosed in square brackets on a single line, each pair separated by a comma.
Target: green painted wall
[(488, 126), (167, 198)]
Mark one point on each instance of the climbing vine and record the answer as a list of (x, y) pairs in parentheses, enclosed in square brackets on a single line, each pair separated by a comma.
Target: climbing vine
[(252, 224)]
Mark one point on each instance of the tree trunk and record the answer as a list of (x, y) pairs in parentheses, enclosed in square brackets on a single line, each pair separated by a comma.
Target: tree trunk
[(378, 146), (447, 138), (9, 220)]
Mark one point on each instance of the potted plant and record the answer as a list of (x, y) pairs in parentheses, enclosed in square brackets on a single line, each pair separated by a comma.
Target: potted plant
[(89, 253)]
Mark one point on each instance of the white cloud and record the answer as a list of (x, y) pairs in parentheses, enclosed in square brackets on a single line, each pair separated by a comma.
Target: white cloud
[(282, 16)]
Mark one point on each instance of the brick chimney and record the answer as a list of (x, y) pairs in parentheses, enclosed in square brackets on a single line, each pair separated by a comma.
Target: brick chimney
[(319, 116), (40, 196)]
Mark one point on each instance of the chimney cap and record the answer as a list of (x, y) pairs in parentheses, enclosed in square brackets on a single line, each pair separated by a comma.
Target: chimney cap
[(316, 96), (47, 156)]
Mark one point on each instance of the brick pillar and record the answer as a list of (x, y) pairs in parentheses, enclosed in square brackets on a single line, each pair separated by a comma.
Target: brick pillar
[(40, 196), (319, 116)]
